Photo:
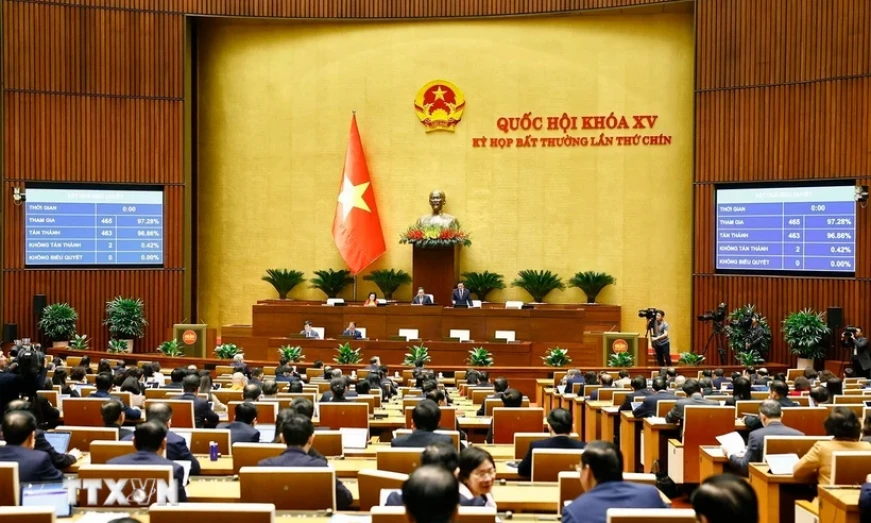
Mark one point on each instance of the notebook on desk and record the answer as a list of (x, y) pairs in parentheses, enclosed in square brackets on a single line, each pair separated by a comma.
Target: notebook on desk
[(781, 464), (60, 441)]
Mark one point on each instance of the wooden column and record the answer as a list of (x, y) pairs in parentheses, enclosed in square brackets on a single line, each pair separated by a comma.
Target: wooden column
[(437, 271)]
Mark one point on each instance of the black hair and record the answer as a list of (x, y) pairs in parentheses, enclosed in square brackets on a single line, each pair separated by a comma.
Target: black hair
[(719, 372), (706, 383), (590, 378), (245, 412), (438, 396), (131, 385), (363, 387), (149, 436), (337, 385), (500, 384), (155, 366), (318, 364), (302, 407), (819, 395), (560, 421), (638, 383), (483, 376), (707, 373), (741, 388), (374, 359), (779, 388), (606, 380), (690, 387), (103, 381), (725, 499), (442, 454), (118, 379), (111, 412), (429, 385), (159, 412), (251, 392), (834, 386), (78, 373), (671, 372), (295, 386), (191, 383), (605, 461), (801, 384), (18, 425), (842, 424), (623, 373), (472, 377), (866, 428), (256, 372), (59, 378), (426, 416), (470, 459), (270, 388), (297, 430), (178, 374), (512, 398), (431, 494), (659, 383), (104, 366)]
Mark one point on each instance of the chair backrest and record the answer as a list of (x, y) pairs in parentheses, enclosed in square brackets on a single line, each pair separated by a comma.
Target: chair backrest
[(200, 440), (809, 420), (402, 460), (116, 472), (663, 406), (368, 399), (607, 394), (225, 396), (759, 394), (267, 411), (701, 425), (490, 404), (411, 402), (799, 445), (52, 396), (459, 376), (792, 374), (522, 441), (454, 434), (348, 415), (448, 419), (646, 515), (250, 454), (513, 304), (479, 395), (850, 467), (43, 514), (212, 512), (620, 396), (328, 442), (272, 484), (9, 484), (103, 451), (157, 394), (743, 407), (508, 421), (83, 412), (847, 400), (464, 515), (362, 332), (587, 390), (182, 412), (220, 370), (82, 437), (548, 463), (73, 361), (371, 482)]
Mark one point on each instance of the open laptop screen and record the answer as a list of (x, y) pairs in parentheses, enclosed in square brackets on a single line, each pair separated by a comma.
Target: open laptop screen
[(59, 440), (47, 494)]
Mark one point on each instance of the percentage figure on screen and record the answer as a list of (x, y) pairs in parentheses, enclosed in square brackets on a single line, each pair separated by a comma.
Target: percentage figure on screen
[(839, 221), (839, 235), (147, 221), (149, 245), (841, 264), (149, 257), (841, 249), (151, 233)]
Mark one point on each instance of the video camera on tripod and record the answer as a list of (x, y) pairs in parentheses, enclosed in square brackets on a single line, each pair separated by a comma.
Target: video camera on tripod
[(714, 316)]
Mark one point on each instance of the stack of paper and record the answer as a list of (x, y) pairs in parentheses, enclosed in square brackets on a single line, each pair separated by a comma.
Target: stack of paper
[(733, 443)]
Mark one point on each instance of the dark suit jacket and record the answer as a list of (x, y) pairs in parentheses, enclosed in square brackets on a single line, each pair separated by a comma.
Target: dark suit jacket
[(865, 503), (675, 415), (177, 449), (34, 466), (241, 432), (394, 499), (863, 357), (203, 415), (356, 334), (556, 442), (594, 396), (130, 413), (173, 385), (11, 388), (719, 381), (122, 432), (150, 458), (755, 445), (627, 403), (60, 461), (420, 438), (296, 457), (464, 297), (648, 406), (421, 300), (496, 396), (592, 506), (754, 423)]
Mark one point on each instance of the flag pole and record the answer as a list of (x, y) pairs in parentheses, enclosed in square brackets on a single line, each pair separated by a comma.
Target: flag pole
[(355, 287)]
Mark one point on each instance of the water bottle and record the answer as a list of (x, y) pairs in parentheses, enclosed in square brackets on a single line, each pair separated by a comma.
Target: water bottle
[(213, 451)]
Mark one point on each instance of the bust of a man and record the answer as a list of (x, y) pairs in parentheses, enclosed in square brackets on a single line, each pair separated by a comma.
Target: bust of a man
[(437, 218)]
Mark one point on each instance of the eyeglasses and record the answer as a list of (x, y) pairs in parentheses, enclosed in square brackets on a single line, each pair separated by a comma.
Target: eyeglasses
[(485, 474)]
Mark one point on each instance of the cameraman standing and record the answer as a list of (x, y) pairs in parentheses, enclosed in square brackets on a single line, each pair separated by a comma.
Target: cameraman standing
[(659, 339), (755, 340), (853, 337)]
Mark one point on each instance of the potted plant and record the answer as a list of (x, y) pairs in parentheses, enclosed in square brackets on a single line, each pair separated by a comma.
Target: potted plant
[(331, 282), (480, 357), (291, 354), (748, 358), (416, 353), (227, 351), (171, 349), (805, 333), (538, 283), (346, 355), (283, 280), (126, 319), (621, 359), (557, 357), (118, 347), (483, 283), (690, 359), (592, 283), (58, 322), (79, 342), (388, 280), (739, 328)]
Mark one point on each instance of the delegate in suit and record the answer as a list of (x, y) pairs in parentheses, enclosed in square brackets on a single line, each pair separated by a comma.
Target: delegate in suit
[(421, 298), (559, 423), (204, 416), (352, 331), (639, 390), (104, 383), (176, 447), (113, 418), (461, 296), (647, 409), (60, 461), (308, 331), (425, 416), (694, 397), (149, 439), (843, 425), (34, 466), (242, 428), (779, 392), (770, 414), (298, 434)]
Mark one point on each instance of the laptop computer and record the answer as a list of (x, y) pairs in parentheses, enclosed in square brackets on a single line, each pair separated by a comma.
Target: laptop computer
[(60, 441), (186, 434), (636, 404), (354, 438), (267, 433), (47, 494)]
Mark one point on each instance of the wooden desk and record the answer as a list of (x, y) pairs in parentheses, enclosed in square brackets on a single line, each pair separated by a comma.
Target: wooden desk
[(777, 494), (712, 462), (593, 419), (540, 385), (609, 424), (838, 505), (630, 441), (656, 436)]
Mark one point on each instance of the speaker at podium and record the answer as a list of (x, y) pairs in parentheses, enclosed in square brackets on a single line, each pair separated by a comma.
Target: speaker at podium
[(194, 338)]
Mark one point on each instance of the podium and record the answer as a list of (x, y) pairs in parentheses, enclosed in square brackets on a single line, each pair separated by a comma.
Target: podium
[(613, 342), (437, 270), (194, 338)]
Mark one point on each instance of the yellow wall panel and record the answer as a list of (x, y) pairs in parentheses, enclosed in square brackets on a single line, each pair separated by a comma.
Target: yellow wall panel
[(275, 102)]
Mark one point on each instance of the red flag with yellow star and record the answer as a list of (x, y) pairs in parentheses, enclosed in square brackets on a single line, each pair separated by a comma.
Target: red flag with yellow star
[(356, 226)]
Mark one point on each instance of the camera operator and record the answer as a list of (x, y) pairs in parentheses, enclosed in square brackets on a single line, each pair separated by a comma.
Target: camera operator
[(659, 338), (852, 338), (755, 339)]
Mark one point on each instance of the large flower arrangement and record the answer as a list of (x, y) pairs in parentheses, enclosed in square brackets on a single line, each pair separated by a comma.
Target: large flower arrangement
[(429, 236)]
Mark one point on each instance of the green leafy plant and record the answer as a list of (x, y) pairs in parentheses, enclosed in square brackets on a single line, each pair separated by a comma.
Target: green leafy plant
[(621, 359), (125, 318), (556, 357), (58, 321), (739, 328), (292, 354), (346, 355), (171, 348), (388, 280), (79, 342), (748, 358), (690, 359), (283, 280), (480, 357), (331, 282), (117, 346), (483, 283), (227, 351), (415, 353), (538, 283), (805, 332), (434, 236), (592, 283)]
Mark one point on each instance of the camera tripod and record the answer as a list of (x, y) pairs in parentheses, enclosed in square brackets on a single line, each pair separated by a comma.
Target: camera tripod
[(718, 338)]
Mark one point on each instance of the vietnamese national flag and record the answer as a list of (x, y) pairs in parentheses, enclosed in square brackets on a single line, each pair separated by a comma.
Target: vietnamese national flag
[(356, 226)]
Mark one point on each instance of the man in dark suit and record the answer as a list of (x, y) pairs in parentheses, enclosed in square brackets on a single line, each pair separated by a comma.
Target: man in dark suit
[(442, 455), (11, 388), (204, 416), (176, 447), (607, 382), (500, 385), (694, 397), (559, 422), (865, 499), (573, 376), (352, 331), (602, 481), (338, 391), (779, 392), (719, 379), (461, 296), (374, 364), (242, 428), (862, 356), (431, 494), (60, 461), (647, 409), (103, 382), (251, 393), (769, 415), (150, 441), (639, 390), (113, 417), (34, 466), (256, 376), (421, 298), (175, 378), (511, 399), (762, 378), (297, 433), (308, 331), (425, 416)]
